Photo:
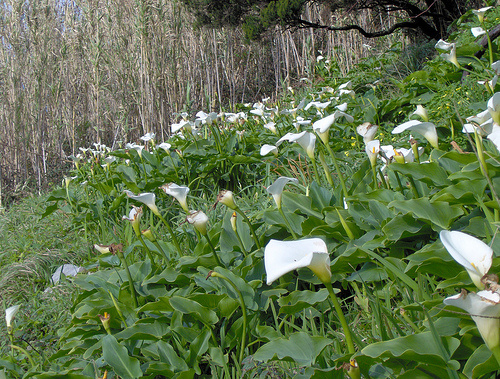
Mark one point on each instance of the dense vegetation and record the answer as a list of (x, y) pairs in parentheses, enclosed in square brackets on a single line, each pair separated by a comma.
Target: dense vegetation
[(305, 237)]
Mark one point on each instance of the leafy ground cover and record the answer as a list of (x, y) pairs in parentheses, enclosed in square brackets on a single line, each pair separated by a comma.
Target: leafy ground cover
[(325, 234)]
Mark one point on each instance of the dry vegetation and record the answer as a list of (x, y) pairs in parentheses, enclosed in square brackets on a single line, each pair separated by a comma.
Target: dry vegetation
[(77, 72)]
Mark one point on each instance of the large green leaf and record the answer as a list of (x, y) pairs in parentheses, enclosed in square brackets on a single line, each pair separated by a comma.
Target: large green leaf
[(193, 308), (117, 357), (299, 300), (414, 348), (300, 347), (429, 173), (439, 213), (480, 363)]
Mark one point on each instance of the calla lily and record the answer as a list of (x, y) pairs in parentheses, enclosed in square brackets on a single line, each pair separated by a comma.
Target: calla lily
[(323, 125), (134, 217), (199, 220), (473, 254), (372, 149), (451, 56), (271, 126), (367, 131), (103, 249), (480, 13), (443, 45), (305, 139), (9, 315), (266, 149), (184, 124), (276, 189), (226, 198), (148, 137), (422, 113), (146, 198), (281, 257), (205, 118), (495, 138), (484, 308), (494, 108), (135, 147), (165, 146), (426, 129), (478, 31), (179, 192)]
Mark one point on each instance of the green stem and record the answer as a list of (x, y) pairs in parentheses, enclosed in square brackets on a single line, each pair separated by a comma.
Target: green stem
[(316, 173), (214, 252), (340, 315), (287, 223), (326, 169), (129, 277), (245, 218), (148, 252), (413, 187), (337, 168), (240, 241), (32, 363), (243, 311), (172, 234), (375, 181)]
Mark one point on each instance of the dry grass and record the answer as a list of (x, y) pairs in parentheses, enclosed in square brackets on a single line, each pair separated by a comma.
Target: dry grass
[(74, 73)]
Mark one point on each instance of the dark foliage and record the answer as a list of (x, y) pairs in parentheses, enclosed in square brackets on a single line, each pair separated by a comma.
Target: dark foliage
[(431, 18)]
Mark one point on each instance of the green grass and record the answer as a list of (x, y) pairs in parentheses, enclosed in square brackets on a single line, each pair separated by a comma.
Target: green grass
[(31, 249)]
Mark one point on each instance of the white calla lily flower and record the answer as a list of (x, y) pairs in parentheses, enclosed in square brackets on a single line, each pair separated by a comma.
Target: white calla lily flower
[(266, 149), (367, 131), (480, 13), (178, 192), (165, 146), (226, 197), (426, 129), (422, 113), (134, 217), (10, 314), (372, 149), (473, 254), (147, 198), (199, 220), (478, 31), (148, 137), (494, 107), (276, 189), (135, 147), (281, 257), (484, 308), (443, 45), (305, 139)]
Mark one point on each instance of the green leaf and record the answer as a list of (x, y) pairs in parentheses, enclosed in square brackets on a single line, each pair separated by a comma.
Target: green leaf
[(299, 300), (300, 347), (480, 363), (439, 213), (117, 357), (191, 307), (429, 173), (413, 348)]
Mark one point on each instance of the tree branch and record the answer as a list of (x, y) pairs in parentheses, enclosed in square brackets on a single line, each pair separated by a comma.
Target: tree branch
[(301, 23)]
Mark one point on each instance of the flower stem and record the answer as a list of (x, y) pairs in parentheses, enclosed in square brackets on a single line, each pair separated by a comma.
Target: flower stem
[(214, 252), (245, 218), (120, 255), (316, 173), (375, 181), (287, 223), (337, 168), (340, 315), (172, 234), (243, 311)]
